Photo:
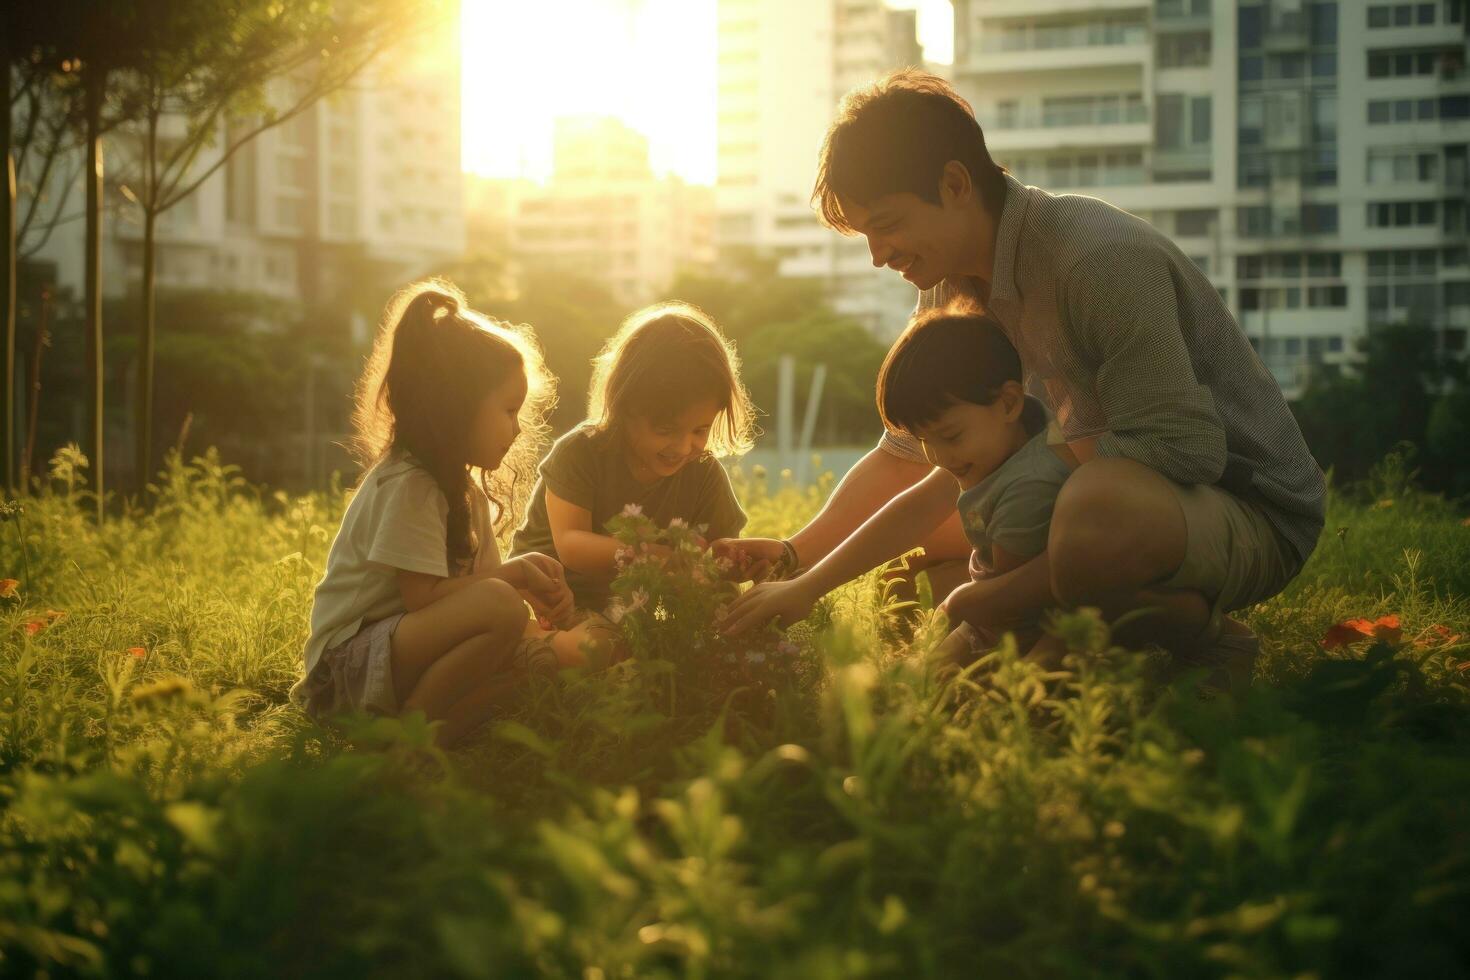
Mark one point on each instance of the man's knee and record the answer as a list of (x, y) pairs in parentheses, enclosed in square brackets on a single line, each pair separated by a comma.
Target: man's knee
[(1117, 525)]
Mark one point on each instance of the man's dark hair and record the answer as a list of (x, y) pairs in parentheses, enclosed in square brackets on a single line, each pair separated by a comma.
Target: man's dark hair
[(896, 135), (949, 355)]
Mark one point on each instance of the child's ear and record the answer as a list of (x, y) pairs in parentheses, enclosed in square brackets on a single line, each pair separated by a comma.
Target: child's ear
[(1013, 397)]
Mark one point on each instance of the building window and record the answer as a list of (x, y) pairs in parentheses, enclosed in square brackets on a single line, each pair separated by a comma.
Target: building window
[(1402, 214), (1194, 223), (1413, 62), (1186, 49), (1401, 14)]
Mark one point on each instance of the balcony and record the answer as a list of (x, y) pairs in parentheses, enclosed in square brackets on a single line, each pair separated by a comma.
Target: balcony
[(998, 9), (999, 58), (1064, 127), (1182, 15)]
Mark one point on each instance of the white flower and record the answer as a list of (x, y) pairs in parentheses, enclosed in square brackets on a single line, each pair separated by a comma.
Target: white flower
[(632, 510), (678, 522)]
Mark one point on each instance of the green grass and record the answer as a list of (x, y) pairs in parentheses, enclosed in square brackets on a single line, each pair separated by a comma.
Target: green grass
[(172, 814)]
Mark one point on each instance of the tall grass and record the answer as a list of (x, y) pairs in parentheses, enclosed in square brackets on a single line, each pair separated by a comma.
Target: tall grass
[(163, 809)]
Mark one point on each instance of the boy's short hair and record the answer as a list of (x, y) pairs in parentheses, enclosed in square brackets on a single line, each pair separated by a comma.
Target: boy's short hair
[(945, 356), (895, 136)]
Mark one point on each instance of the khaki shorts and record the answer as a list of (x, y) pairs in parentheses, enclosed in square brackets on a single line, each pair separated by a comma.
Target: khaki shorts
[(1233, 555)]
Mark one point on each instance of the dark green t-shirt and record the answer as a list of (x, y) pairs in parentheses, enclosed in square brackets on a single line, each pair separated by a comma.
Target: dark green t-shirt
[(590, 469)]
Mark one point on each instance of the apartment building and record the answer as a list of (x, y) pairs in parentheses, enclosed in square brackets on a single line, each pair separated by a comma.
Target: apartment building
[(1310, 156), (604, 214), (782, 69), (367, 177)]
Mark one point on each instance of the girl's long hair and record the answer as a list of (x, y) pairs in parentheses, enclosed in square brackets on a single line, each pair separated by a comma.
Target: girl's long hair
[(433, 363), (665, 358)]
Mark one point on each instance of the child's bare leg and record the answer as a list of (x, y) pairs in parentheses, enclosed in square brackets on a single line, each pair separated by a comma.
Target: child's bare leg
[(479, 703), (446, 651)]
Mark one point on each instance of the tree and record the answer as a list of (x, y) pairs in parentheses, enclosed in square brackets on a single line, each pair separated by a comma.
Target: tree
[(1350, 421), (206, 68)]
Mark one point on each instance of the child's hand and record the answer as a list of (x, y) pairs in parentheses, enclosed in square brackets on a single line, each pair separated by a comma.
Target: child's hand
[(751, 559), (543, 582)]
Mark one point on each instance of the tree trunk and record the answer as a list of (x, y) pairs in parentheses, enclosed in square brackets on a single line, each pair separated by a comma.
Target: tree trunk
[(143, 423), (96, 88), (7, 277)]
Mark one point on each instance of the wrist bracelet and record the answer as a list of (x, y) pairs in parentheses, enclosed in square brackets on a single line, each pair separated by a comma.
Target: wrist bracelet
[(788, 559)]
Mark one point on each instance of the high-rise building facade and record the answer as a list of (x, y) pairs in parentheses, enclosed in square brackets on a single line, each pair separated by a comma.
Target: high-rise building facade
[(604, 215), (1309, 155), (783, 67), (368, 176)]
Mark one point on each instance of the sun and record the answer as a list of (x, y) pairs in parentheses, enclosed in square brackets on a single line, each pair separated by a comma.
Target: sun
[(650, 63)]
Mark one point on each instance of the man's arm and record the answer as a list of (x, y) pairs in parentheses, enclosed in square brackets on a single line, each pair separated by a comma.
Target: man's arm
[(878, 477), (1124, 313), (900, 525)]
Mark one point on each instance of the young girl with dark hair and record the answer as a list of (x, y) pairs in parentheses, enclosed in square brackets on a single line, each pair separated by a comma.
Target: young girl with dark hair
[(416, 610), (666, 401)]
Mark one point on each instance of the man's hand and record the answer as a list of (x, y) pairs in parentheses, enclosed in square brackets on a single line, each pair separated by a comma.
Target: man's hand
[(542, 581), (753, 558), (789, 602)]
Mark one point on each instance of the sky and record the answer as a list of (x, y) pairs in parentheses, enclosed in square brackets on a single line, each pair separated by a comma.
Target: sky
[(651, 63)]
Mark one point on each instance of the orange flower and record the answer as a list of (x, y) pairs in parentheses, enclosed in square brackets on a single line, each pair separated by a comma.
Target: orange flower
[(8, 587), (1385, 628), (1437, 635), (139, 652)]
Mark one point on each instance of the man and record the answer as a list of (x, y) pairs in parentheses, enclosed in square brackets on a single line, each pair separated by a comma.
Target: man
[(1192, 473)]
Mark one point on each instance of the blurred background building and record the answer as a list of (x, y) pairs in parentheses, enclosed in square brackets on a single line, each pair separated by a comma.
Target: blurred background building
[(369, 177), (1309, 156), (603, 214), (783, 68)]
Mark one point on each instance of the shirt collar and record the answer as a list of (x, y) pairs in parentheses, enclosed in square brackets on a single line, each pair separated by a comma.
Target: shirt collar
[(1007, 239)]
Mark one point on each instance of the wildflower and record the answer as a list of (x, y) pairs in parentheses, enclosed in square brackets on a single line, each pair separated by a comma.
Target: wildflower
[(678, 522), (8, 587), (1385, 628), (724, 564), (632, 510), (138, 652), (45, 620), (1437, 635)]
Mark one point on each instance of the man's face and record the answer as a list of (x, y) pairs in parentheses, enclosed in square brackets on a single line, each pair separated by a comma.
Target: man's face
[(923, 242)]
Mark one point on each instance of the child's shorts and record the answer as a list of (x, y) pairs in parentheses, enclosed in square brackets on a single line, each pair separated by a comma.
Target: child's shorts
[(356, 674)]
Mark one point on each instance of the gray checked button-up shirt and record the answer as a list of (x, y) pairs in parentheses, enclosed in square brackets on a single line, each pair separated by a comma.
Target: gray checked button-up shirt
[(1127, 341)]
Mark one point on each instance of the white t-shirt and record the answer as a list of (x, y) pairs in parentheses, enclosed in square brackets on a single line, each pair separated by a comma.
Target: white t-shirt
[(396, 520)]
